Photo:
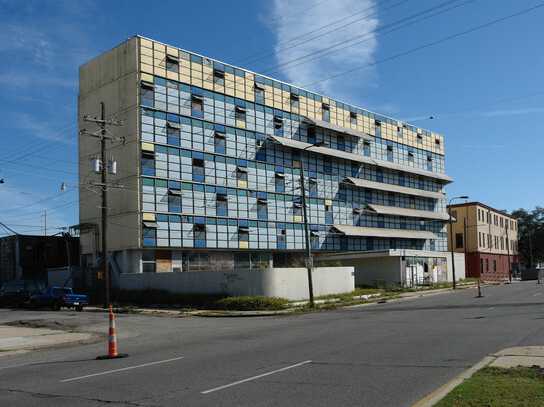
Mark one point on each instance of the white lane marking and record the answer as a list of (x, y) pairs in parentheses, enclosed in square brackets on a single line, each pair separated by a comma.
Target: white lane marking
[(534, 295), (121, 370), (256, 377)]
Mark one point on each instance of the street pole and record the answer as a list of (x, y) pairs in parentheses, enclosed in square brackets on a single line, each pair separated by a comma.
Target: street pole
[(102, 135), (309, 262), (105, 268), (454, 286), (465, 239)]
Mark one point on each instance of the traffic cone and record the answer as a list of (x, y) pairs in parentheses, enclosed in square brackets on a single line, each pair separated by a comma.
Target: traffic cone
[(112, 340)]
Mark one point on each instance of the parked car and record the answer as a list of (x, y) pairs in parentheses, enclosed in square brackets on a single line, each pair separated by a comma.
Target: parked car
[(58, 297), (17, 293)]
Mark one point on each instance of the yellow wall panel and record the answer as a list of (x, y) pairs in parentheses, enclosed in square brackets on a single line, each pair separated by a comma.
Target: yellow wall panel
[(146, 43), (146, 59), (148, 77), (173, 52), (208, 85), (146, 51), (185, 78), (172, 75), (146, 68), (160, 72), (148, 216), (159, 47)]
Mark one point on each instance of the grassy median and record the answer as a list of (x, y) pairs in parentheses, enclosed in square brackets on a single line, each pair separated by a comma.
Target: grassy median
[(497, 387)]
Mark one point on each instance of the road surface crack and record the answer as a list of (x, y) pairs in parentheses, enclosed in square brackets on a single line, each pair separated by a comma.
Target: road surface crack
[(53, 396)]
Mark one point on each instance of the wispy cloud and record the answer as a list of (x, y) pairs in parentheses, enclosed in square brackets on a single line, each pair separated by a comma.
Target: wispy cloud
[(513, 112), (318, 14)]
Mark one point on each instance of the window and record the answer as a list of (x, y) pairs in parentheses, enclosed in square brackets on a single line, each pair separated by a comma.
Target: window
[(379, 175), (329, 215), (150, 236), (437, 141), (259, 93), (355, 169), (241, 176), (402, 180), (220, 144), (429, 163), (312, 187), (419, 138), (297, 209), (148, 261), (197, 106), (221, 205), (366, 148), (173, 133), (147, 94), (389, 153), (399, 132), (279, 182), (314, 239), (353, 117), (494, 265), (172, 64), (454, 216), (281, 241), (243, 234), (311, 135), (199, 234), (327, 166), (240, 113), (459, 241), (480, 239), (410, 157), (486, 264), (294, 100), (326, 112), (174, 198), (378, 128), (481, 266), (262, 209), (278, 126), (148, 163), (341, 143), (219, 77), (198, 170)]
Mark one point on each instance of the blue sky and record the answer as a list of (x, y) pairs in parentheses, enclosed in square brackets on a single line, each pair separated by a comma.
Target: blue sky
[(485, 90)]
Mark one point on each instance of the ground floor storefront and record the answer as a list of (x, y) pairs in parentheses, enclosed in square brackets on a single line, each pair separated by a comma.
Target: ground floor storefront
[(491, 267)]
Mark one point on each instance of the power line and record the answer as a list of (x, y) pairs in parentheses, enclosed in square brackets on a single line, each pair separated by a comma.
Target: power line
[(387, 29), (339, 21), (429, 44)]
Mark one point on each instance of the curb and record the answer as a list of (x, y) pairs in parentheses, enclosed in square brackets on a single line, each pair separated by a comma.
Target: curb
[(432, 398)]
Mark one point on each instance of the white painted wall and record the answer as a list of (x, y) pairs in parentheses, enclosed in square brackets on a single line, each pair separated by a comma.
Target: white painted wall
[(289, 283), (459, 266)]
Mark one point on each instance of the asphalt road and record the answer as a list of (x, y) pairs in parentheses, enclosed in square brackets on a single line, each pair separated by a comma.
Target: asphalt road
[(381, 355)]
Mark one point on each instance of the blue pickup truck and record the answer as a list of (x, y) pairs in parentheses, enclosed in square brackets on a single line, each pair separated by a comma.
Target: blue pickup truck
[(58, 297)]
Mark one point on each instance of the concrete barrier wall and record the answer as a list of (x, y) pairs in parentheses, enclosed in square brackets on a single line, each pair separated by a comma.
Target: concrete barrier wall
[(290, 283)]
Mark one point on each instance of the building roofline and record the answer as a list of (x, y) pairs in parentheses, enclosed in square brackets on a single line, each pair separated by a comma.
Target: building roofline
[(477, 203), (283, 82)]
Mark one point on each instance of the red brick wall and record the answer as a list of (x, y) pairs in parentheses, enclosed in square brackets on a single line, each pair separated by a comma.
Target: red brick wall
[(489, 273)]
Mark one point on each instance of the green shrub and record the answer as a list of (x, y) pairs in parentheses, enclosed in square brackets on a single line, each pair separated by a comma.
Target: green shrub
[(163, 297), (252, 303)]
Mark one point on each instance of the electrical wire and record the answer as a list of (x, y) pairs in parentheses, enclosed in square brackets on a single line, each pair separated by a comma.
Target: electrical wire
[(365, 37), (429, 44)]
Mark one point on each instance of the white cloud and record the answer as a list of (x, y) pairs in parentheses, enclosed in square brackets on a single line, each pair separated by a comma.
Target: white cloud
[(318, 14)]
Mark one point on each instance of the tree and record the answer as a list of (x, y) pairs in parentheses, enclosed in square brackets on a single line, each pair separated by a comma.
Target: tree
[(530, 235)]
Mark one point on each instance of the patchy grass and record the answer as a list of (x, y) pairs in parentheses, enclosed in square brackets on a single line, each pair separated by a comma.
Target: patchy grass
[(162, 298), (252, 303), (497, 387)]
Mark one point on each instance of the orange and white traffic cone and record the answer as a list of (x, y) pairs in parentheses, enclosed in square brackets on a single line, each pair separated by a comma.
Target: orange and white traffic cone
[(112, 340)]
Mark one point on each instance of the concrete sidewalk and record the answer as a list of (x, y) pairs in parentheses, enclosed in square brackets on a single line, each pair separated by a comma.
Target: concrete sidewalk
[(519, 356), (21, 339)]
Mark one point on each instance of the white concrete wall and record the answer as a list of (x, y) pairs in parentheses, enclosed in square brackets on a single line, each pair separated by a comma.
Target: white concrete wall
[(289, 283), (459, 266)]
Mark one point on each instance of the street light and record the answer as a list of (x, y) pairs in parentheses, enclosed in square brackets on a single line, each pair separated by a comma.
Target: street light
[(309, 260), (451, 238)]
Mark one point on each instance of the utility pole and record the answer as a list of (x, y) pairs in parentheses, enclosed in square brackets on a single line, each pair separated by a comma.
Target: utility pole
[(465, 238), (45, 222), (508, 252), (309, 260), (102, 135)]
